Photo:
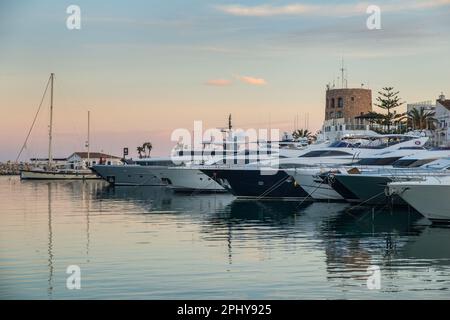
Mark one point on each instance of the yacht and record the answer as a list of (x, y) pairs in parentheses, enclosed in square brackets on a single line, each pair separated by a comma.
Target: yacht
[(78, 172), (264, 180), (428, 196), (368, 186), (315, 180), (136, 173), (181, 172)]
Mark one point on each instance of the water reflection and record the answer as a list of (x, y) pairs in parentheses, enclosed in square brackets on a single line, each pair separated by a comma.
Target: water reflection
[(350, 238), (50, 241), (151, 234)]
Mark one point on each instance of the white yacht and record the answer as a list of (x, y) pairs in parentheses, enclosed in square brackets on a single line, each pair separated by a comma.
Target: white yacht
[(181, 171), (251, 182), (428, 196), (139, 173), (315, 180), (369, 185)]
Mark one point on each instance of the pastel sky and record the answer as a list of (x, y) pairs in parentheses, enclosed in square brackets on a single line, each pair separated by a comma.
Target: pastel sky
[(145, 68)]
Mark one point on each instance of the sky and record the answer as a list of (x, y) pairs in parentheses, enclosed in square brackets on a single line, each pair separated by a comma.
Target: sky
[(146, 68)]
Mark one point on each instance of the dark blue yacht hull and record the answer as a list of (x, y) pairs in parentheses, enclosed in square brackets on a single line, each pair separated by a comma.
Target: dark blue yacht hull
[(245, 183)]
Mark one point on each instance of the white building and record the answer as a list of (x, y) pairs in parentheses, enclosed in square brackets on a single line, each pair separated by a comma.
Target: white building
[(424, 105), (443, 121), (94, 158)]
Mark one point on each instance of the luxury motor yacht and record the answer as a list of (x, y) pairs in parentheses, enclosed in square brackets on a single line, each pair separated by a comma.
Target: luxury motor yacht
[(315, 180), (428, 196), (368, 186), (265, 180), (181, 171), (190, 177), (135, 174)]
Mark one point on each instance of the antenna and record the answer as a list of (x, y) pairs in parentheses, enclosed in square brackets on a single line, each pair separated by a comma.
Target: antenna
[(342, 73)]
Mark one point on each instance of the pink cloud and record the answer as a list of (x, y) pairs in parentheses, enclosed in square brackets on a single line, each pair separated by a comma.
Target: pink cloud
[(253, 81), (268, 10), (218, 82)]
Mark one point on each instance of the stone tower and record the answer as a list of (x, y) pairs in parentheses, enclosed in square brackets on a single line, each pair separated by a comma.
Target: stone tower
[(347, 103)]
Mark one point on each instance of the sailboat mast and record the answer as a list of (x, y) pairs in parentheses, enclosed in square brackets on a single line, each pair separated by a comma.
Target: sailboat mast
[(50, 132), (88, 139)]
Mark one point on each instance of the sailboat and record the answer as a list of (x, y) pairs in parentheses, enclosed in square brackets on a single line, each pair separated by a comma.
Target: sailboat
[(78, 171)]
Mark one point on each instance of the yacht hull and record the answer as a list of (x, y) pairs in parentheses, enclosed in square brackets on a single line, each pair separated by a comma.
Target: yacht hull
[(56, 175), (368, 189), (129, 175), (341, 189), (315, 185), (177, 178), (251, 184), (184, 179), (430, 199)]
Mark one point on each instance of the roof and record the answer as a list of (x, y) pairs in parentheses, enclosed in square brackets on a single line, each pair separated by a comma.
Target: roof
[(46, 159), (84, 155), (444, 103)]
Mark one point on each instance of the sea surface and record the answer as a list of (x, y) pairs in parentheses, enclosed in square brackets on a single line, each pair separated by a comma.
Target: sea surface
[(150, 243)]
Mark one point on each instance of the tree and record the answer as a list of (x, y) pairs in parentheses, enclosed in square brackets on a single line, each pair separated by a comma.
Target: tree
[(140, 151), (373, 117), (388, 100), (147, 146), (421, 119), (301, 133), (304, 133)]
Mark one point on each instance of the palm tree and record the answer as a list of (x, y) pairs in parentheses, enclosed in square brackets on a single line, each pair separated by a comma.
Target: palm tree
[(301, 133), (140, 150), (421, 119), (147, 146)]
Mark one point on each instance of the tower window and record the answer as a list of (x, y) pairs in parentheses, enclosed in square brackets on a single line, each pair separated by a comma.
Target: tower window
[(340, 102), (353, 98), (332, 103)]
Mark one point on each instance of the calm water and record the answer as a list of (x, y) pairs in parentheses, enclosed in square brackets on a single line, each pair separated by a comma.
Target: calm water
[(148, 243)]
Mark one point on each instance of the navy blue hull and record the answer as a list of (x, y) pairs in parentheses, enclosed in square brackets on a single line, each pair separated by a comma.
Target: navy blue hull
[(340, 188), (253, 184)]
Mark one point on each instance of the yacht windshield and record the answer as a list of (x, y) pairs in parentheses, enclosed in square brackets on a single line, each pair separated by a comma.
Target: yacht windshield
[(411, 163), (325, 153), (378, 161), (343, 144)]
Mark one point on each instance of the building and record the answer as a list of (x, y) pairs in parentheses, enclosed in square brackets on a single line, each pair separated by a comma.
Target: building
[(343, 106), (94, 158), (442, 115), (424, 105), (347, 103)]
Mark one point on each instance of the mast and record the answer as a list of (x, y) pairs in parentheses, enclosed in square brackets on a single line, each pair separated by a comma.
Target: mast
[(50, 132), (88, 139)]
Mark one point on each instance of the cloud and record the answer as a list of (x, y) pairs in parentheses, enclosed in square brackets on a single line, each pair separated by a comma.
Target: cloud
[(219, 82), (252, 81), (244, 79), (267, 10)]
